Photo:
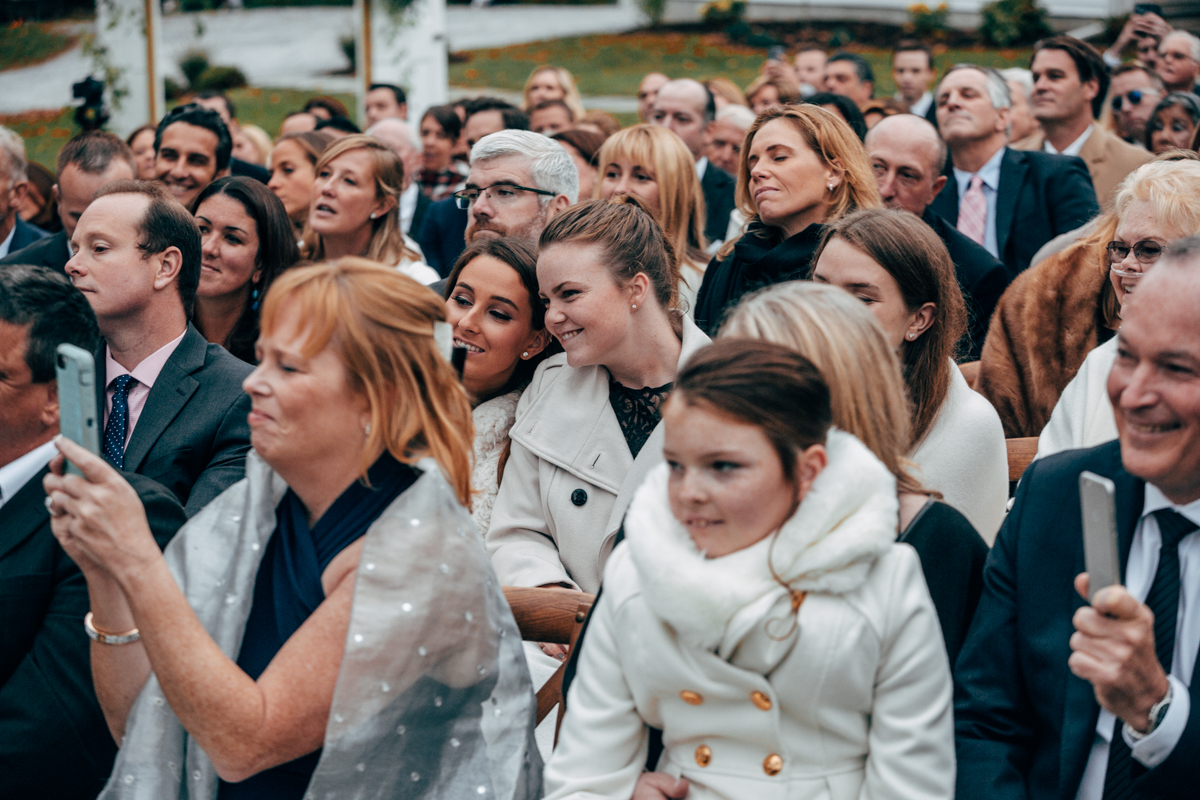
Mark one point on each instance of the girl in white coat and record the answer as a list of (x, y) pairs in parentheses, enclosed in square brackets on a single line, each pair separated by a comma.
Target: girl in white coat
[(759, 611), (586, 429)]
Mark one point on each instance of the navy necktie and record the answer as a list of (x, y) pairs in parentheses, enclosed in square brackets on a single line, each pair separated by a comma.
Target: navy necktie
[(1163, 601), (118, 422)]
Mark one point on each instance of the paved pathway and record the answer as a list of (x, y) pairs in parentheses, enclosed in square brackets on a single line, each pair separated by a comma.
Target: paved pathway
[(298, 47)]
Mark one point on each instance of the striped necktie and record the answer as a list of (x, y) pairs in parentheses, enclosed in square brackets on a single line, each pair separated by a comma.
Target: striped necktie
[(972, 214)]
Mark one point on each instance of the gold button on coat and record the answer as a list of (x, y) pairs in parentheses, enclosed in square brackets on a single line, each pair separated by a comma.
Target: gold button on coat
[(691, 698), (773, 764), (761, 701), (704, 755)]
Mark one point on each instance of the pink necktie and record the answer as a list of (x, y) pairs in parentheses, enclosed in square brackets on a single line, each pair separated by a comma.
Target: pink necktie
[(972, 214)]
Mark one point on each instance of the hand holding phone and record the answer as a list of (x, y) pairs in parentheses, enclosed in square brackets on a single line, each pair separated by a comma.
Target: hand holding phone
[(1098, 505)]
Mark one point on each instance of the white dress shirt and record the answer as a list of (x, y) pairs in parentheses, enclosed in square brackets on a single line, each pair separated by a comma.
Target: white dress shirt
[(408, 206), (701, 167), (15, 474), (1073, 148), (7, 243), (990, 172), (1152, 750), (921, 107)]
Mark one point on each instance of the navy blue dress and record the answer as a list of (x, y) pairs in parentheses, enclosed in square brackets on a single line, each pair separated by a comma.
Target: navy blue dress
[(288, 589)]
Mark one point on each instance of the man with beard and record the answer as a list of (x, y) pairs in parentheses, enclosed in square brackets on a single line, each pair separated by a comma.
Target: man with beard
[(518, 181)]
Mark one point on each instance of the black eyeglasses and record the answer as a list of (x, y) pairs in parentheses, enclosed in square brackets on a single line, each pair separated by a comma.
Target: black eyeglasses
[(498, 193), (1146, 251), (1135, 98)]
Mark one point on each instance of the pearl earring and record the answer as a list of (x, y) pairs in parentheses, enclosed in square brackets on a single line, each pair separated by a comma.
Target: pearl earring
[(374, 215), (367, 430), (831, 187), (635, 306), (525, 354)]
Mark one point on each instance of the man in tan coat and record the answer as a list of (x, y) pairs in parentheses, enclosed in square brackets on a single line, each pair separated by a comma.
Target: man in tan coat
[(1070, 83)]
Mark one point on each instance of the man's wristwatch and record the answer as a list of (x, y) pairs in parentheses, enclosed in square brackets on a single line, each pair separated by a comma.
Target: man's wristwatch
[(1157, 712)]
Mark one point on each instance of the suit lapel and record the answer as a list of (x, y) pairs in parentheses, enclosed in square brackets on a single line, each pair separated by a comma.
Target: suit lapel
[(23, 514), (171, 391), (1012, 178), (1080, 709)]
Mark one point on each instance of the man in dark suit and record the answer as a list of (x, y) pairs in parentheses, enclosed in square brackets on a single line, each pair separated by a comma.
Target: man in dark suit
[(54, 741), (15, 233), (1008, 201), (687, 107), (172, 404), (907, 156), (1056, 698), (85, 164)]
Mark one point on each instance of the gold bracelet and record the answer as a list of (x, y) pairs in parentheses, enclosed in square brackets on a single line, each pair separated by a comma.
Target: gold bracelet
[(108, 638)]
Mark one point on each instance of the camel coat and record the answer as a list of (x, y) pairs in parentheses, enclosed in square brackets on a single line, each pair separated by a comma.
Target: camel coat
[(1046, 323), (569, 477), (1109, 160)]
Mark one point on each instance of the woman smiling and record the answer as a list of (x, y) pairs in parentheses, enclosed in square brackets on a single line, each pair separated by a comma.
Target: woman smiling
[(354, 211), (246, 242), (493, 307)]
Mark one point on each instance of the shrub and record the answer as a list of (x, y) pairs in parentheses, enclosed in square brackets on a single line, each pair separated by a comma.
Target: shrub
[(723, 12), (193, 64), (653, 10), (219, 79), (172, 89), (927, 23), (1013, 22)]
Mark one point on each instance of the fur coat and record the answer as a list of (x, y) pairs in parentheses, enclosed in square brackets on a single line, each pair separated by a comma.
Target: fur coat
[(1046, 323)]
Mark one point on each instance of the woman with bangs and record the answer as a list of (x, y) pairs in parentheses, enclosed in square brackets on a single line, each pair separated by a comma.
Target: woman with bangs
[(801, 168), (653, 164), (329, 624), (355, 208)]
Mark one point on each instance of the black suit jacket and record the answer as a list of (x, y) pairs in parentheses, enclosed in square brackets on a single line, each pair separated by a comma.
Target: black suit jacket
[(50, 251), (192, 435), (1024, 725), (54, 742), (981, 277), (443, 235), (718, 187), (248, 170), (1040, 196), (24, 235), (418, 218)]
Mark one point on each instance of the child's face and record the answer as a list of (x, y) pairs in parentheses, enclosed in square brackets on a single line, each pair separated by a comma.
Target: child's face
[(727, 485)]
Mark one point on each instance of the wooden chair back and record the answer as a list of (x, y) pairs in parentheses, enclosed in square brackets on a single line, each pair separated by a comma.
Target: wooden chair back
[(970, 371), (554, 616), (1020, 455)]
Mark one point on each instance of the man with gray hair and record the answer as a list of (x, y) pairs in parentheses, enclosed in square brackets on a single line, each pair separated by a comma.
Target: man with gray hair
[(397, 135), (518, 181), (1009, 201), (1022, 123), (1179, 61), (15, 233)]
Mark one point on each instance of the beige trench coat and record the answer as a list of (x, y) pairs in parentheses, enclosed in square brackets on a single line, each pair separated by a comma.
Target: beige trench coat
[(569, 478)]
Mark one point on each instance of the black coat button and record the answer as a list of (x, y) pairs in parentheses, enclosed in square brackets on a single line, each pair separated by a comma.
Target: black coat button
[(579, 497)]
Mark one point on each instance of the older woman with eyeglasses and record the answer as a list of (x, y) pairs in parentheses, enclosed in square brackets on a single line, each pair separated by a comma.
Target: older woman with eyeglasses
[(1055, 314), (1172, 125)]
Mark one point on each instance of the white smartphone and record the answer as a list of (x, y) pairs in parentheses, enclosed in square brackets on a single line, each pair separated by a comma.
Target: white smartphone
[(1097, 501), (75, 371)]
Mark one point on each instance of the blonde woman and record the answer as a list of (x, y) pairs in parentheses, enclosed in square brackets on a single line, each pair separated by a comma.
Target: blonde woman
[(552, 83), (653, 164), (841, 337), (344, 560), (769, 91), (801, 168), (354, 210)]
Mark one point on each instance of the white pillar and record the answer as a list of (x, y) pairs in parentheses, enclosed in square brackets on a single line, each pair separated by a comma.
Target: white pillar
[(127, 51), (403, 47)]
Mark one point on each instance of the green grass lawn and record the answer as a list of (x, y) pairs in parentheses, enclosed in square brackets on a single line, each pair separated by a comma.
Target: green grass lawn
[(31, 43), (45, 132), (613, 64)]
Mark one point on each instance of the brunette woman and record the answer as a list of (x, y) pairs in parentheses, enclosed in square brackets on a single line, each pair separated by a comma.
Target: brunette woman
[(759, 610), (1173, 124), (495, 313), (441, 176), (246, 242), (354, 209), (294, 171), (652, 163), (583, 146), (141, 142), (899, 267), (552, 83), (587, 428), (801, 168)]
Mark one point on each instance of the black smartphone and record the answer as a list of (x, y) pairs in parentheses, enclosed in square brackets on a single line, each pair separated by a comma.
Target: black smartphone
[(1148, 8)]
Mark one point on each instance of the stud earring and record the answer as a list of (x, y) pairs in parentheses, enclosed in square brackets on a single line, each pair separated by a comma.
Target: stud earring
[(525, 354), (912, 336), (374, 215), (831, 187), (367, 430), (635, 306)]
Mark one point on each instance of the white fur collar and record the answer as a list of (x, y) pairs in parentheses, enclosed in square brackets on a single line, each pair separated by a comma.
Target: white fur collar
[(847, 520)]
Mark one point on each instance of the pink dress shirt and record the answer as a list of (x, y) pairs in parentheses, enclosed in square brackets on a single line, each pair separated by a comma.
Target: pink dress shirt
[(144, 375)]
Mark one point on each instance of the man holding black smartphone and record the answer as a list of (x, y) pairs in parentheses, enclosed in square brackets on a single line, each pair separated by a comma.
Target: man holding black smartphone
[(1056, 698), (1145, 29), (54, 741)]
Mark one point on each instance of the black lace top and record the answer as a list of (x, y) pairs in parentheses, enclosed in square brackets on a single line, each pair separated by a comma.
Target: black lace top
[(638, 411)]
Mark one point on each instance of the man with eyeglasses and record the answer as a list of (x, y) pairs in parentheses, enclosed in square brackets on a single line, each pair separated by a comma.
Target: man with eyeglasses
[(1179, 61), (518, 181), (1135, 91)]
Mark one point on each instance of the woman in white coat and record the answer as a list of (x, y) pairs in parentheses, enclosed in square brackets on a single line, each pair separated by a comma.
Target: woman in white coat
[(495, 314), (898, 266), (587, 431), (759, 611)]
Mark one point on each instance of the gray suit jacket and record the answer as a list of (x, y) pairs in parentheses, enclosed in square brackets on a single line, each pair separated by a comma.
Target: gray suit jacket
[(192, 435)]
